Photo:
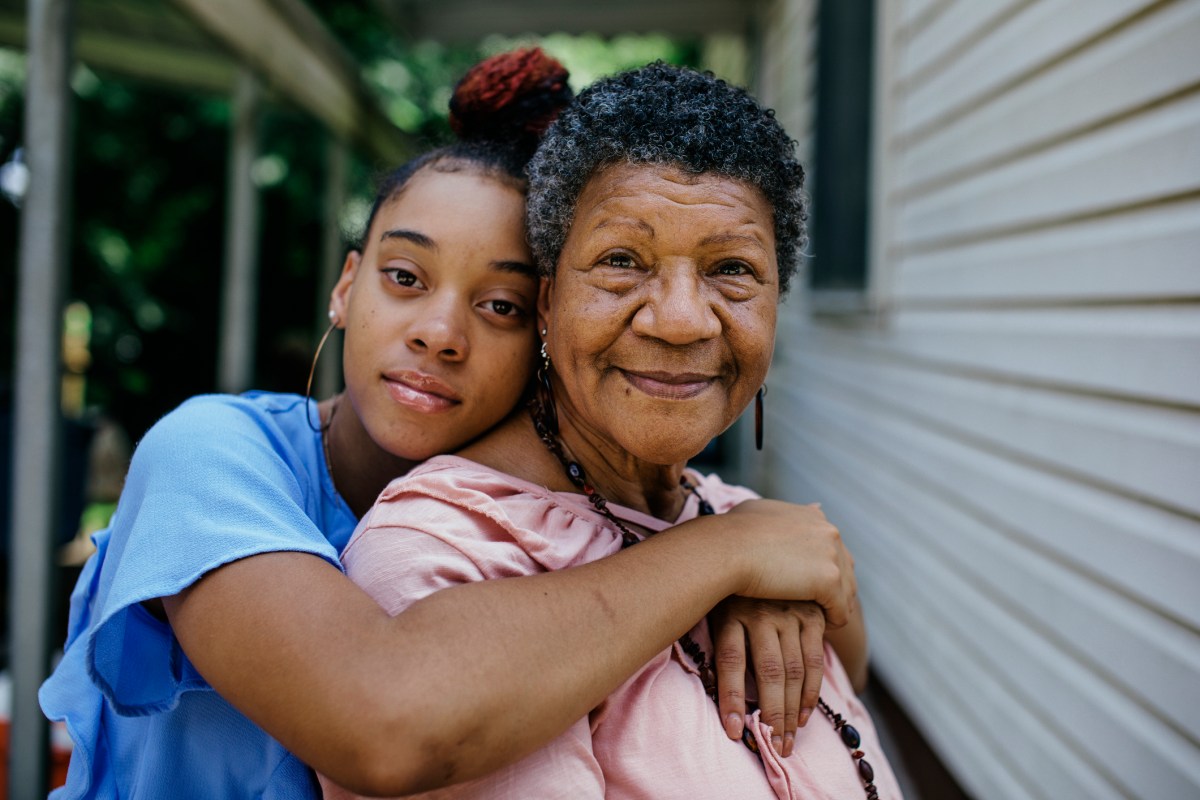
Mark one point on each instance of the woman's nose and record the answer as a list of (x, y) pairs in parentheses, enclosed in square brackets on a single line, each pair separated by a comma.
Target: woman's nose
[(677, 311), (439, 329)]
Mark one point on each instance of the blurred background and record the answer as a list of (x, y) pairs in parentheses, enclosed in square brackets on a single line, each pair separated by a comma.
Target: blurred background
[(989, 375)]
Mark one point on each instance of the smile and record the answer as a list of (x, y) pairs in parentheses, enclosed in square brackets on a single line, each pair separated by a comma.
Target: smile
[(669, 386), (421, 392)]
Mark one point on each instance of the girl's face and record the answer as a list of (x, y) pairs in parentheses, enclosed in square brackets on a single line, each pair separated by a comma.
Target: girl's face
[(439, 314)]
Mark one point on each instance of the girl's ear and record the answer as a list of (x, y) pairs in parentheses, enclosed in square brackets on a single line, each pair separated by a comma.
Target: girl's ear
[(339, 299), (545, 300)]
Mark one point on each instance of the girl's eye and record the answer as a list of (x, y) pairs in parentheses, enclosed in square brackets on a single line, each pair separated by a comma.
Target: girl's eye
[(504, 308), (401, 277)]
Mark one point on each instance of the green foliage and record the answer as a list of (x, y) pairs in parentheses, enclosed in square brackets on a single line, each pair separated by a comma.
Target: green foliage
[(588, 57), (148, 204)]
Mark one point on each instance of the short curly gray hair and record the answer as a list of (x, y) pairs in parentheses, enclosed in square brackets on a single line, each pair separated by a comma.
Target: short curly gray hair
[(663, 114)]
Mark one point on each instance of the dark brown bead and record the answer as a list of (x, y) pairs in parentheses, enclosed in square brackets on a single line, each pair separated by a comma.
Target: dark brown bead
[(850, 737), (865, 771)]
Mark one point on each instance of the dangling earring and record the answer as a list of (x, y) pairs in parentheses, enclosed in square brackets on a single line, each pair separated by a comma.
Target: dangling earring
[(333, 321), (758, 416), (545, 412)]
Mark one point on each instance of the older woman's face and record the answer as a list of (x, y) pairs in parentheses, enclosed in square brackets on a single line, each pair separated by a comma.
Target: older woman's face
[(661, 316)]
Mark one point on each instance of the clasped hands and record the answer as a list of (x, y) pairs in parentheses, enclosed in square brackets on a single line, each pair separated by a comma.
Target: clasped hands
[(784, 640)]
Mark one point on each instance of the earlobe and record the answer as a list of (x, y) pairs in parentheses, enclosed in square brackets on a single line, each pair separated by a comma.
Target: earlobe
[(339, 299), (545, 300)]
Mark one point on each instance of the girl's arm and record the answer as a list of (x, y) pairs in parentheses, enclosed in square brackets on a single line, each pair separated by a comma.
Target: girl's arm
[(476, 676)]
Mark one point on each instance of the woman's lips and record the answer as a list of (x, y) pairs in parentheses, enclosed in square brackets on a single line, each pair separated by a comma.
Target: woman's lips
[(669, 386), (420, 391)]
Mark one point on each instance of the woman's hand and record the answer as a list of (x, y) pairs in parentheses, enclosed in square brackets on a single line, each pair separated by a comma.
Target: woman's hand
[(786, 645), (792, 551)]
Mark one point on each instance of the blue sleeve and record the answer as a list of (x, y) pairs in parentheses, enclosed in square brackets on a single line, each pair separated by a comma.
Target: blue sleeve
[(212, 482)]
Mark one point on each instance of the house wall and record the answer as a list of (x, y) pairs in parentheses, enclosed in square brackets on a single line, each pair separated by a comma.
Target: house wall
[(1009, 437)]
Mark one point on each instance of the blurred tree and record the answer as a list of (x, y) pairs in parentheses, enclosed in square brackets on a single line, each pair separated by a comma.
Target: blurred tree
[(149, 194)]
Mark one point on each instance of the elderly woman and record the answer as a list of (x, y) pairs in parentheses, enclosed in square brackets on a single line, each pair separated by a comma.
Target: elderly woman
[(665, 214)]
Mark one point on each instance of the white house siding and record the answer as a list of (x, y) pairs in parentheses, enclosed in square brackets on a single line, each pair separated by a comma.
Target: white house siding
[(1010, 439)]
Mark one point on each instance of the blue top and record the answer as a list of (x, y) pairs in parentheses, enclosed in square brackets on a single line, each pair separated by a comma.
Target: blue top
[(218, 479)]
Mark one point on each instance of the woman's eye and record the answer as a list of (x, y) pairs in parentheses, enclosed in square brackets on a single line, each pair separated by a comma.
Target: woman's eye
[(620, 260), (401, 277), (733, 268)]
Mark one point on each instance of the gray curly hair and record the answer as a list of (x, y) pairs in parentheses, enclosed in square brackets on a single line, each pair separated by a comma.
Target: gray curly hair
[(663, 114)]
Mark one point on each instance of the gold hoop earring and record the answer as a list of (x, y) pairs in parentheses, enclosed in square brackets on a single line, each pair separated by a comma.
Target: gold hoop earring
[(313, 371)]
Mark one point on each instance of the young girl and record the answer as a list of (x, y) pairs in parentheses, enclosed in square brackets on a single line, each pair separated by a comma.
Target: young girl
[(216, 648)]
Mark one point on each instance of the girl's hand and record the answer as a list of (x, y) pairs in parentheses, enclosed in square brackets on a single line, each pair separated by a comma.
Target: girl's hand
[(786, 645), (794, 552)]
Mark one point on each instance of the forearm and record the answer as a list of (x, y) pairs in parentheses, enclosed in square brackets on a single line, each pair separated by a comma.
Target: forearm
[(515, 662), (465, 681), (850, 643)]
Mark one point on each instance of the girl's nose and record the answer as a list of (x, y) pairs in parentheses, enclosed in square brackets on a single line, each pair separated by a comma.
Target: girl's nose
[(440, 330)]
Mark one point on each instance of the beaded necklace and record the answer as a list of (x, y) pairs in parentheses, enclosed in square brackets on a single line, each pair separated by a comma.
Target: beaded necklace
[(849, 734)]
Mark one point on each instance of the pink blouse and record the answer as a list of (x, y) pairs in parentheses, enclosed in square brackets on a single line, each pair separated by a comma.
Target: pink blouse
[(658, 735)]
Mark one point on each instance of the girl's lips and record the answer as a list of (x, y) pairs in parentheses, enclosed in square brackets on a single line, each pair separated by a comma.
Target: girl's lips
[(666, 386), (421, 392)]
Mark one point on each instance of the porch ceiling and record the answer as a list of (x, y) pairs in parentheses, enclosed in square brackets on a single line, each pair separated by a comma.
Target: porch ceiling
[(469, 20), (202, 44)]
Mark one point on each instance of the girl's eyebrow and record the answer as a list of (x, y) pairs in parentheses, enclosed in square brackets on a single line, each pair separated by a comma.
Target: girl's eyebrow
[(519, 267), (419, 239)]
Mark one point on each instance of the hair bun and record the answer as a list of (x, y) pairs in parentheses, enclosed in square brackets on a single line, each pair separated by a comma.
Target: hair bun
[(512, 97)]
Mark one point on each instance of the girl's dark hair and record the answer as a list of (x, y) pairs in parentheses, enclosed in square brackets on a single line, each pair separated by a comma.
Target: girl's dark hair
[(674, 116), (499, 111)]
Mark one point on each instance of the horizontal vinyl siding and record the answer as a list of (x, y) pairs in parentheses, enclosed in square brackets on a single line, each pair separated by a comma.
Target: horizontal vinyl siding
[(1010, 442)]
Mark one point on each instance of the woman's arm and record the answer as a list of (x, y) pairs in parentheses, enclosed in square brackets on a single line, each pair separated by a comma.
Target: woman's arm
[(477, 676), (850, 644)]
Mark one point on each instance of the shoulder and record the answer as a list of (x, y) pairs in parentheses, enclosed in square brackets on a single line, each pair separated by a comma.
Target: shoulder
[(466, 504), (225, 413), (222, 429), (246, 463), (723, 496)]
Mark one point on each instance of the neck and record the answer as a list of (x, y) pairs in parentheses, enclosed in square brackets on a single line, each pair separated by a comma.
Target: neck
[(359, 467), (619, 476)]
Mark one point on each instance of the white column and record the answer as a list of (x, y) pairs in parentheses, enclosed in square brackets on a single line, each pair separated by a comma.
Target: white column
[(239, 290), (37, 419), (329, 369)]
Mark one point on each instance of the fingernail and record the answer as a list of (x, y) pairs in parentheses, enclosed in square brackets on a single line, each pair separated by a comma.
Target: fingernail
[(777, 743), (734, 726), (789, 741), (804, 715)]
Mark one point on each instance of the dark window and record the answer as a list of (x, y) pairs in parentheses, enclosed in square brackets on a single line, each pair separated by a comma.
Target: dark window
[(841, 188)]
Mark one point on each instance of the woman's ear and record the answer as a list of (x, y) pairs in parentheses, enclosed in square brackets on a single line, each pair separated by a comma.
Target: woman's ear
[(339, 298), (545, 300)]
